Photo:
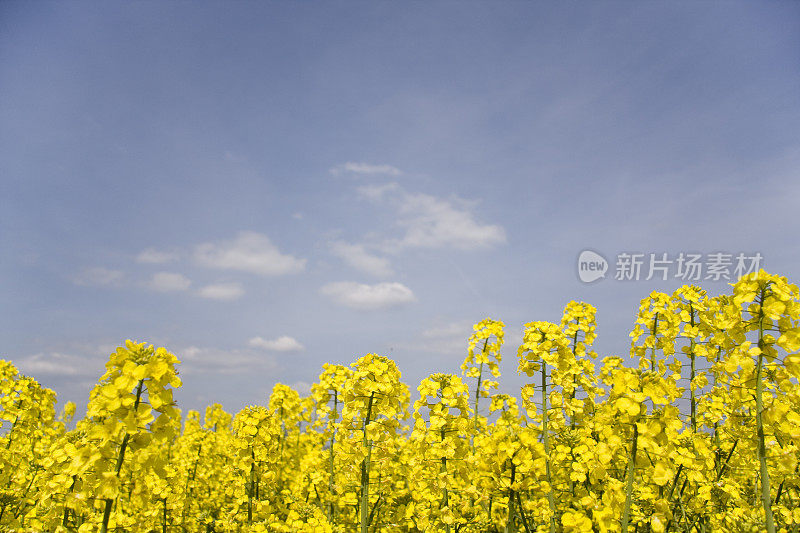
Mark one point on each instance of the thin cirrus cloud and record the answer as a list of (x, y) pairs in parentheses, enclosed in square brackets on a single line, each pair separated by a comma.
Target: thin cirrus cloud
[(169, 282), (156, 257), (200, 360), (365, 297), (221, 291), (99, 277), (352, 167), (56, 364), (450, 338), (249, 252), (431, 222), (281, 344), (359, 258)]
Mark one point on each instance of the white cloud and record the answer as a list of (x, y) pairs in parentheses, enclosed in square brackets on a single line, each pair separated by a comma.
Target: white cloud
[(169, 282), (59, 364), (454, 329), (281, 344), (221, 291), (435, 223), (378, 192), (365, 168), (248, 252), (451, 338), (367, 297), (431, 222), (196, 360), (153, 256), (359, 258), (99, 277)]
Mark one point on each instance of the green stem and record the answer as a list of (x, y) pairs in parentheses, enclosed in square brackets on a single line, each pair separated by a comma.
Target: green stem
[(655, 341), (189, 490), (23, 499), (766, 500), (717, 444), (445, 499), (252, 488), (511, 519), (522, 515), (728, 458), (120, 460), (478, 397), (626, 515), (65, 520), (365, 470), (569, 403), (691, 380), (546, 438), (375, 508), (672, 490), (574, 382), (332, 506)]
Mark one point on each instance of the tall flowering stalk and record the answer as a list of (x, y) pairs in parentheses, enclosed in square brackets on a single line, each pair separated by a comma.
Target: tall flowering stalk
[(543, 344), (27, 414), (137, 385), (769, 310), (375, 402), (441, 443), (328, 395), (483, 351), (258, 441)]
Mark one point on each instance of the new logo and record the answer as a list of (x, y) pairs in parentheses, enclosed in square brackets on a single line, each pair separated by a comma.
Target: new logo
[(591, 266)]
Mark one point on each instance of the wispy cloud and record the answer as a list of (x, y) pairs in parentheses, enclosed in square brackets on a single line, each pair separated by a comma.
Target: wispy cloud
[(59, 364), (431, 222), (248, 252), (368, 297), (461, 330), (281, 344), (221, 291), (377, 192), (99, 277), (197, 360), (169, 282), (156, 257), (359, 258), (364, 168), (450, 338)]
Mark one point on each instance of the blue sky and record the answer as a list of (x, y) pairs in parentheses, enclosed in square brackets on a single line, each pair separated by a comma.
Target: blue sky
[(265, 187)]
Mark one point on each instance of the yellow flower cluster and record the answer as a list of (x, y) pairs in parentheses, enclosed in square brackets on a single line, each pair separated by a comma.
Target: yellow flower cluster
[(484, 349), (701, 433)]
